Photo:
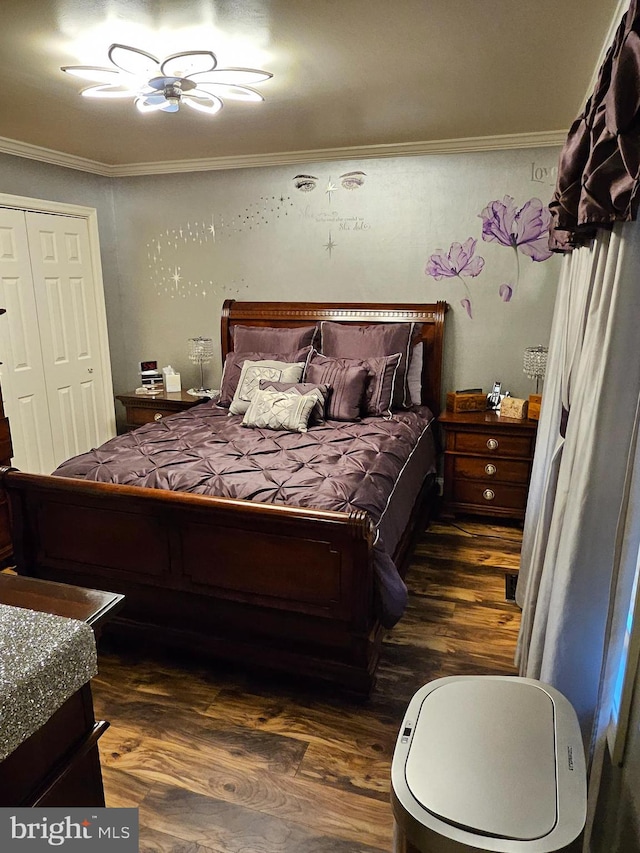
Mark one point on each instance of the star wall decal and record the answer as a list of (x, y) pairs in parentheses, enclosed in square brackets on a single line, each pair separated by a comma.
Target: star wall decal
[(329, 245), (331, 188)]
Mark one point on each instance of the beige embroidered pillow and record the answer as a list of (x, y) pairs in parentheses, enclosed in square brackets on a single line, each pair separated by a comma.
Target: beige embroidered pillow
[(251, 374), (279, 410)]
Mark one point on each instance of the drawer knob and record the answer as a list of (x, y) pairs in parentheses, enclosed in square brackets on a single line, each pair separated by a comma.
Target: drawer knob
[(488, 494), (492, 443), (158, 416), (490, 469)]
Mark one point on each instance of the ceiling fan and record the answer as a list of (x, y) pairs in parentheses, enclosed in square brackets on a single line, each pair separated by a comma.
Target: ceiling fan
[(191, 77)]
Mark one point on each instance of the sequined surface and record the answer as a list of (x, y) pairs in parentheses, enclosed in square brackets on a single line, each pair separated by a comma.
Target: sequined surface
[(44, 659)]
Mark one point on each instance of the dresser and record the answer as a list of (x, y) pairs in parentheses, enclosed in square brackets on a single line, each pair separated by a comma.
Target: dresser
[(59, 764), (6, 452), (487, 464), (141, 409)]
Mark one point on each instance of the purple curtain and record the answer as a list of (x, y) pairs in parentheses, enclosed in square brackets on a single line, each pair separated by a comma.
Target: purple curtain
[(599, 166)]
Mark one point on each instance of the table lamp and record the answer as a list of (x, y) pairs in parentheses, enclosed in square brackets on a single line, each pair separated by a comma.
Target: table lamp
[(200, 352), (535, 366)]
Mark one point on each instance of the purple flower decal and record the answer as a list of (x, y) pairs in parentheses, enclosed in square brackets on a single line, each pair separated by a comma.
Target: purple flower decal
[(457, 263), (526, 229)]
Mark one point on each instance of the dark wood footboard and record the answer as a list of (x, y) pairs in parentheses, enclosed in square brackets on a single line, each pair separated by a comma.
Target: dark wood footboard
[(285, 588)]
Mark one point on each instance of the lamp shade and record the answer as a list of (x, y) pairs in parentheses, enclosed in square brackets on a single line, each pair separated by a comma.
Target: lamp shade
[(200, 352), (535, 363)]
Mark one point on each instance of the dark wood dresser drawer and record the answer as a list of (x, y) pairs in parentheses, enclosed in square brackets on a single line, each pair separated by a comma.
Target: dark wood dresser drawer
[(491, 469), (491, 498), (6, 450), (492, 442)]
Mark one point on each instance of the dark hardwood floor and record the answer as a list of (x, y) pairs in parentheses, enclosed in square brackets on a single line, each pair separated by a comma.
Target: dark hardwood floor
[(227, 762)]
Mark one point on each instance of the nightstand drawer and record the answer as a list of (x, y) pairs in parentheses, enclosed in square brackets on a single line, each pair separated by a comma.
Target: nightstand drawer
[(492, 442), (139, 415), (491, 468), (492, 497)]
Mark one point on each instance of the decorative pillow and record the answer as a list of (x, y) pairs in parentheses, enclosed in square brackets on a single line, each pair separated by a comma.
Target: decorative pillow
[(342, 340), (251, 374), (233, 368), (320, 392), (348, 383), (414, 374), (272, 339), (279, 410), (381, 379)]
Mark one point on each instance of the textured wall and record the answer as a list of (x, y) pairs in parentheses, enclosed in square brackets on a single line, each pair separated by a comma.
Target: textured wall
[(315, 232), (175, 246)]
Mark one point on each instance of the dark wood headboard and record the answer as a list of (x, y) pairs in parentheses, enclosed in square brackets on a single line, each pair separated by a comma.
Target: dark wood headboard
[(291, 314)]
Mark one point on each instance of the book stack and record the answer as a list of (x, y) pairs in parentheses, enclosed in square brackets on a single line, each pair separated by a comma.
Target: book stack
[(150, 378)]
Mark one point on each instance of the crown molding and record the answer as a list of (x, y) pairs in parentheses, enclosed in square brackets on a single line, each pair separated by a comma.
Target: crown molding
[(404, 149), (54, 158)]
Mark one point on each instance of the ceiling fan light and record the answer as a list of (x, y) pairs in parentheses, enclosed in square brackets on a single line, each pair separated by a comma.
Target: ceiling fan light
[(188, 62), (133, 61), (92, 73), (231, 93), (108, 91), (234, 76), (211, 105), (145, 107)]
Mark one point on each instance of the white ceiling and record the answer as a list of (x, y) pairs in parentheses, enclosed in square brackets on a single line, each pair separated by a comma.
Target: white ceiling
[(347, 74)]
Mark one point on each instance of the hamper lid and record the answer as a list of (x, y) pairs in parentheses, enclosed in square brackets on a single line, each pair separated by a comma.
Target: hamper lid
[(483, 758)]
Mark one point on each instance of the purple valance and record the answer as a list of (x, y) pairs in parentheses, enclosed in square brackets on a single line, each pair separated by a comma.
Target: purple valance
[(599, 166)]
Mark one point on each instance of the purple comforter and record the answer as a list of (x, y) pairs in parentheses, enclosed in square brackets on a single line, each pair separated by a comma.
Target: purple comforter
[(336, 466)]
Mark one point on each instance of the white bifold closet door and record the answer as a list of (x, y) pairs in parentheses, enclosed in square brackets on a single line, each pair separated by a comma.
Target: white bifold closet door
[(52, 372)]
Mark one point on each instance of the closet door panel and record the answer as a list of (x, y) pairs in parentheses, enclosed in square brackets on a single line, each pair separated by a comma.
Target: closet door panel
[(23, 381), (69, 332)]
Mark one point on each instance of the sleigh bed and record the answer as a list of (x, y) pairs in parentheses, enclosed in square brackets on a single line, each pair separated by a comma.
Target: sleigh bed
[(298, 570)]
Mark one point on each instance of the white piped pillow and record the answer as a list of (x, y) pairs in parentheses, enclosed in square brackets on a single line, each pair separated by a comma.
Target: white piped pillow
[(251, 374), (279, 410)]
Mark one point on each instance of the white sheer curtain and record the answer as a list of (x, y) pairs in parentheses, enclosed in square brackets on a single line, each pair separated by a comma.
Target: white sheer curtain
[(570, 540)]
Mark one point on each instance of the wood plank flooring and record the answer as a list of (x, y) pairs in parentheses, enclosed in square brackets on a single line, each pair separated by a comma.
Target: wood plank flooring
[(225, 762)]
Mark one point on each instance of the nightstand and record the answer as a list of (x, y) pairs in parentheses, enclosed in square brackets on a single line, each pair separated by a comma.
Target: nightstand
[(141, 409), (487, 464)]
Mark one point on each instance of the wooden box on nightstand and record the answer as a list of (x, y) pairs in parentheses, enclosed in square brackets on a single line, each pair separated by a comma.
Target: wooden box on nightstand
[(487, 464)]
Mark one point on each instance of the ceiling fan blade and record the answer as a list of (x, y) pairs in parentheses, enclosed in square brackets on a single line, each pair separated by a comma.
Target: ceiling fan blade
[(108, 92), (155, 98), (133, 60), (232, 76), (232, 93), (92, 73), (209, 104), (144, 107), (189, 62), (170, 108)]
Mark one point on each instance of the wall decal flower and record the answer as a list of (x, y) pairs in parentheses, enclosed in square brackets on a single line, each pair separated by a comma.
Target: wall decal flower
[(525, 230), (458, 262)]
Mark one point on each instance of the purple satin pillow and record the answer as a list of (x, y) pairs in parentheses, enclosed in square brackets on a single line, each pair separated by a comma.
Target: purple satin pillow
[(348, 384), (272, 339), (381, 380), (233, 368), (318, 414), (346, 340)]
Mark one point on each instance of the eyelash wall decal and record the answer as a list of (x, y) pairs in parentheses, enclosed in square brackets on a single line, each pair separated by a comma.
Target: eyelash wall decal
[(352, 180), (305, 183)]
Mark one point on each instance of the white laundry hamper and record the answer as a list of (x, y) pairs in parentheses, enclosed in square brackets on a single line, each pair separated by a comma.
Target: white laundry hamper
[(488, 763)]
